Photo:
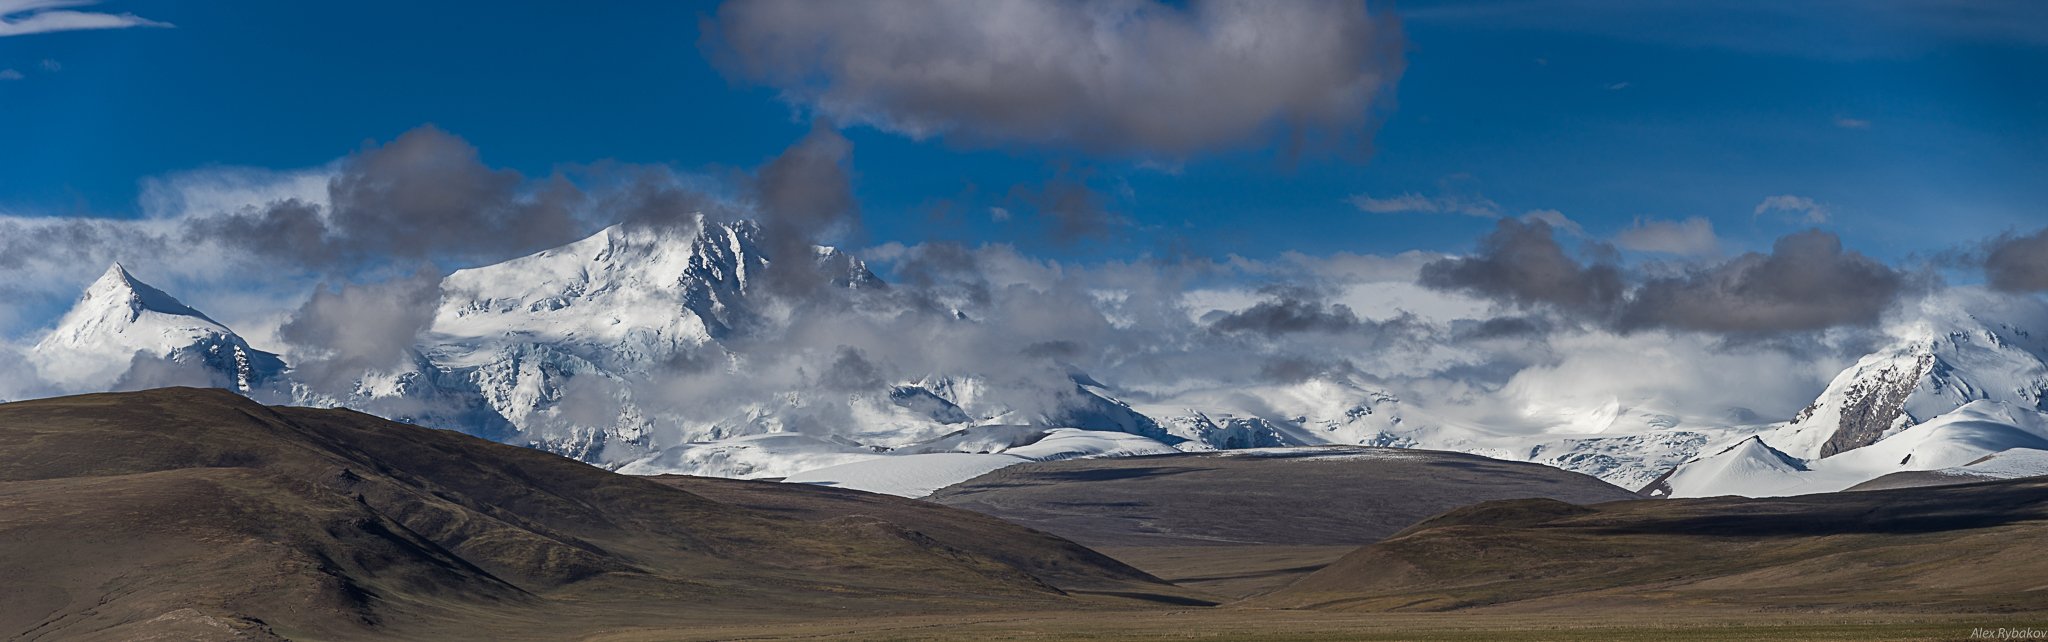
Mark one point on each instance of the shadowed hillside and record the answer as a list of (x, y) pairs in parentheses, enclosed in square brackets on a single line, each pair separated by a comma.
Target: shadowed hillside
[(189, 513), (1239, 524), (1962, 548)]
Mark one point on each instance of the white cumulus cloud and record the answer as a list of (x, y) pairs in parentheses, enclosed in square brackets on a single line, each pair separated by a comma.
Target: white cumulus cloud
[(1796, 208), (23, 17), (1136, 77)]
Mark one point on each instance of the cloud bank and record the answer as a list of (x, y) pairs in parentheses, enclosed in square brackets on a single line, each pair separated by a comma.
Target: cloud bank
[(425, 194), (1522, 264), (1808, 282)]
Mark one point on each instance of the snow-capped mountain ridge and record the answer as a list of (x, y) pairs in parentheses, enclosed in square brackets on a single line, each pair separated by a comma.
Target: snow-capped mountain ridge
[(521, 350), (560, 350), (610, 309), (638, 292), (1964, 379), (618, 309), (515, 343)]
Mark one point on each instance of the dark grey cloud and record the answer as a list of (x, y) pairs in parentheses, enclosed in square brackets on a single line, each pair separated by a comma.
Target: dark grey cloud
[(1503, 328), (27, 245), (804, 198), (236, 236), (425, 195), (850, 371), (1294, 368), (1071, 209), (1522, 263), (1060, 350), (655, 197), (1690, 237), (809, 185), (1136, 77), (1289, 310), (2018, 263), (344, 331), (931, 264), (292, 229), (1807, 282)]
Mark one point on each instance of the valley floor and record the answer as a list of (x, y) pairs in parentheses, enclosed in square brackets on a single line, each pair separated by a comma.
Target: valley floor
[(1276, 625)]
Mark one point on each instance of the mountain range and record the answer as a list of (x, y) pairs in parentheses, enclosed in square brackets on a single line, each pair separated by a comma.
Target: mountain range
[(579, 350)]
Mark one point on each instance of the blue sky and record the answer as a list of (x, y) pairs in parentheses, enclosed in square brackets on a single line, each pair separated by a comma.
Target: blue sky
[(1917, 128)]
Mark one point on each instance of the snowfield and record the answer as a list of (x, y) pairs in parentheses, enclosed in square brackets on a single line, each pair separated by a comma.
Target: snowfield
[(906, 475), (929, 467), (751, 457), (1952, 441), (912, 471), (2009, 464)]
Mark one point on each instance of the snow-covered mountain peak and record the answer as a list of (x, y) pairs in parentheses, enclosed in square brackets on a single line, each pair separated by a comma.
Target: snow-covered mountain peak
[(121, 309), (530, 340), (1951, 353), (117, 290), (1748, 467), (120, 316), (649, 289), (1963, 376)]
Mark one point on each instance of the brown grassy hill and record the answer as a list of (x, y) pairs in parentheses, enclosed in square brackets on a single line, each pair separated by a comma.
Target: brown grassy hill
[(188, 514), (1965, 548), (1063, 563), (1339, 495)]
